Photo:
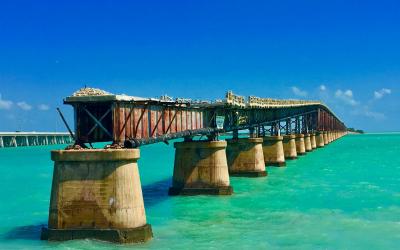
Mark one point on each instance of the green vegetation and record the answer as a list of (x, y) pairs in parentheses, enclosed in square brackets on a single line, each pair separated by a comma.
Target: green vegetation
[(353, 130)]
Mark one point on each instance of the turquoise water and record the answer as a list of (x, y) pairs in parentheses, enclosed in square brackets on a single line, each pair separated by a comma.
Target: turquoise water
[(343, 196)]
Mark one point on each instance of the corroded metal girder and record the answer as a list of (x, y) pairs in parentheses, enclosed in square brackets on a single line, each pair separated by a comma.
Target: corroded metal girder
[(132, 122)]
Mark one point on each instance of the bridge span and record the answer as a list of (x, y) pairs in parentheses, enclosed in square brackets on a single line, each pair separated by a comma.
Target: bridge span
[(96, 193), (23, 139)]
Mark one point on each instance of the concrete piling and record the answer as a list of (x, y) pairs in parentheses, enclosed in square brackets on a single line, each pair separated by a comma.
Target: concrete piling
[(300, 145), (313, 141), (289, 147), (200, 168), (307, 142), (245, 157), (97, 194), (320, 139), (273, 151), (325, 136)]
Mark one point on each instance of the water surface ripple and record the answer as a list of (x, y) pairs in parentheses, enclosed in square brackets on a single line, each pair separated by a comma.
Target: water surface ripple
[(344, 196)]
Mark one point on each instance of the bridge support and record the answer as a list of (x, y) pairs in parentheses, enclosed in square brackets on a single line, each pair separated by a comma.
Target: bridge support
[(300, 146), (320, 139), (307, 142), (325, 134), (289, 147), (273, 151), (313, 141), (97, 194), (245, 157), (200, 168)]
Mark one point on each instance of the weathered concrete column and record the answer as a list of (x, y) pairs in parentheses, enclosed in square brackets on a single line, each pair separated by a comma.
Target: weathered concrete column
[(273, 151), (326, 141), (307, 142), (97, 194), (313, 141), (289, 147), (200, 168), (300, 146), (320, 139), (330, 139), (245, 157)]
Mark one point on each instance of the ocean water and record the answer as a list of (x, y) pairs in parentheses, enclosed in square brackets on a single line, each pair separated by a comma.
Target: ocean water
[(343, 196)]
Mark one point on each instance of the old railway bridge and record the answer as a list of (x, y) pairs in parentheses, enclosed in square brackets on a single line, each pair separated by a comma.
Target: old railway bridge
[(96, 193)]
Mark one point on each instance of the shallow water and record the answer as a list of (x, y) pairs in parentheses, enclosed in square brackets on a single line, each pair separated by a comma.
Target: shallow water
[(343, 196)]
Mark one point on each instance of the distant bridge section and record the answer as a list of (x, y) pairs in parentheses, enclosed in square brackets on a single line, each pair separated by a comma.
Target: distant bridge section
[(23, 139)]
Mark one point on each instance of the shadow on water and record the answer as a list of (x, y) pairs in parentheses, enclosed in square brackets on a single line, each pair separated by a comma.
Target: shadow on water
[(153, 194), (31, 232), (156, 192)]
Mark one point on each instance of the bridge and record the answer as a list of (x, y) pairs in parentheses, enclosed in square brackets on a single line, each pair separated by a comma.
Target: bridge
[(133, 121), (22, 139), (96, 193)]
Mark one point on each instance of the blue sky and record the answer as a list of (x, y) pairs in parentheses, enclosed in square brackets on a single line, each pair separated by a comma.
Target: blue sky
[(342, 52)]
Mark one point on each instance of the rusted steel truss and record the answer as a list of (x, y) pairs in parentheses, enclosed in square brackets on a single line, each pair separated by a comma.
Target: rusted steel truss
[(137, 123)]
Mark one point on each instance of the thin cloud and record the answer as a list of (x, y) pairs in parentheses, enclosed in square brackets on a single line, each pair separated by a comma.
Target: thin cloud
[(24, 106), (322, 87), (375, 115), (299, 92), (5, 104), (381, 93), (364, 110), (43, 107), (346, 96)]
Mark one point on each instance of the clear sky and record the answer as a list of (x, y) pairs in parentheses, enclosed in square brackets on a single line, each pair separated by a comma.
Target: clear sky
[(346, 53)]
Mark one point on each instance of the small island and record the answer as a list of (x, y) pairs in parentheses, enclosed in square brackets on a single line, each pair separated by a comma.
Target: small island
[(355, 131)]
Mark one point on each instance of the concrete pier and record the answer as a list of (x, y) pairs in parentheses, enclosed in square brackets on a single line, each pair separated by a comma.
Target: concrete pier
[(325, 135), (313, 141), (97, 194), (307, 142), (300, 146), (245, 157), (320, 139), (200, 168), (273, 151), (289, 147)]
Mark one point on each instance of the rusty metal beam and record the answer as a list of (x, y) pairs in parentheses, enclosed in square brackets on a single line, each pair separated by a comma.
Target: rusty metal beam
[(97, 122)]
